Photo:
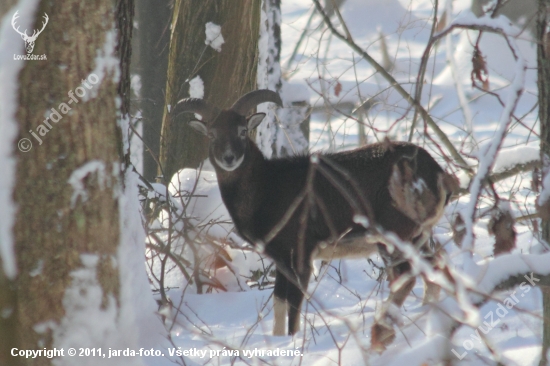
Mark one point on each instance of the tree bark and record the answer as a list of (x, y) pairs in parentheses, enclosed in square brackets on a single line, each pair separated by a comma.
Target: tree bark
[(153, 34), (56, 224), (543, 61), (226, 75)]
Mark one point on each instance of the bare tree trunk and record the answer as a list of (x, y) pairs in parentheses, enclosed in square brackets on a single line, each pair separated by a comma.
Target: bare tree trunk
[(67, 185), (287, 132), (543, 60), (226, 75), (153, 34)]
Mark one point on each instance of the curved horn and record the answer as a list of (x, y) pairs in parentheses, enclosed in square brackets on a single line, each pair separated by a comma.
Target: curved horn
[(252, 99), (195, 105)]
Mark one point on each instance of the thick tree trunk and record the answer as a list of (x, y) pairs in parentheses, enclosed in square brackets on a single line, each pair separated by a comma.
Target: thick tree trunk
[(153, 34), (8, 294), (543, 58), (226, 75), (67, 185)]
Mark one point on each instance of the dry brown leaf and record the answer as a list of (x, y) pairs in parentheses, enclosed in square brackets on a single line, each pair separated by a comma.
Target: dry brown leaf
[(441, 22), (459, 230), (479, 69), (502, 227), (381, 336), (221, 258), (337, 88)]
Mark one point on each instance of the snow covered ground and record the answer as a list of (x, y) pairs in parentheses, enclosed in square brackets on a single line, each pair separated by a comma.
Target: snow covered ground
[(346, 295)]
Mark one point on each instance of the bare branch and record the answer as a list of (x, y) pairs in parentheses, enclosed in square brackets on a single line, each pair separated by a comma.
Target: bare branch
[(444, 139)]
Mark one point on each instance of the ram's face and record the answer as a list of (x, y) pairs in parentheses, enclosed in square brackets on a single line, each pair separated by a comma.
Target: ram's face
[(228, 140), (228, 136)]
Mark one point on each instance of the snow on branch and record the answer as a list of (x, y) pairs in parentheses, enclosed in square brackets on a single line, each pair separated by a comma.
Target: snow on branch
[(500, 25), (507, 271), (510, 162)]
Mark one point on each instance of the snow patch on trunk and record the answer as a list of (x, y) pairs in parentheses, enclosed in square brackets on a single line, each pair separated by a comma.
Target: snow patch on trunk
[(106, 63), (196, 88), (214, 36), (508, 158), (76, 178), (87, 322)]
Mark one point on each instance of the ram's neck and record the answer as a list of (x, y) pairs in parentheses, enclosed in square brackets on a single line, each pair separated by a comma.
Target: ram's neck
[(242, 190)]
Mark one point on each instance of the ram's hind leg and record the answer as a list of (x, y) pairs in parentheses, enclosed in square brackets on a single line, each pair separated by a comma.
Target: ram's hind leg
[(288, 295)]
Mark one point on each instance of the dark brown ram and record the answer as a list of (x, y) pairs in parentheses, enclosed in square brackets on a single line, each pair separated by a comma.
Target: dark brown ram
[(305, 207)]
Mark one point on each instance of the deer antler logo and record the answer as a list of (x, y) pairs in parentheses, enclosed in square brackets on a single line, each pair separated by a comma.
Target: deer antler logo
[(29, 40)]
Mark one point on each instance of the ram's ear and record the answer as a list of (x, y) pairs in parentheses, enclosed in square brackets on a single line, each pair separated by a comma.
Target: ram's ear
[(199, 126), (254, 120)]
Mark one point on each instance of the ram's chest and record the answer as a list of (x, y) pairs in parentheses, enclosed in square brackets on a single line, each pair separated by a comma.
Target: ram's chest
[(241, 202)]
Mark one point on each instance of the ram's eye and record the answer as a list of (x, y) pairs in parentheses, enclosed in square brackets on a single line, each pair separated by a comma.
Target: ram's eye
[(243, 132), (211, 135)]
